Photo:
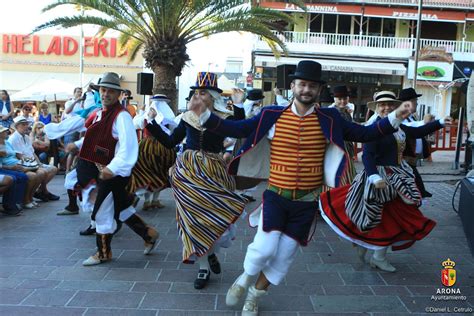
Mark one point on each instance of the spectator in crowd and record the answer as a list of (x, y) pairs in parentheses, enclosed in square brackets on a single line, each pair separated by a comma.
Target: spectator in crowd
[(26, 113), (126, 97), (22, 176), (44, 116), (23, 146), (6, 109), (74, 104)]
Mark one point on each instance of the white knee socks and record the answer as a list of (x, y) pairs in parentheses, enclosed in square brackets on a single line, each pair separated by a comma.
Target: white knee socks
[(380, 254), (244, 280)]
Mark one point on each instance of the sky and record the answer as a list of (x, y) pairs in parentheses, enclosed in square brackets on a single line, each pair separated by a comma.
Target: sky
[(22, 16)]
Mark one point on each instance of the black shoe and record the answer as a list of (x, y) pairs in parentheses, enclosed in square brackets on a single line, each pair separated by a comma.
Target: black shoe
[(41, 196), (202, 279), (52, 197), (426, 194), (11, 210), (88, 231), (214, 263)]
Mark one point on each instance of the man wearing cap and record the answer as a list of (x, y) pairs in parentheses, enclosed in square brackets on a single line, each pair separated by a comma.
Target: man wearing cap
[(414, 146), (21, 143), (297, 148), (108, 153)]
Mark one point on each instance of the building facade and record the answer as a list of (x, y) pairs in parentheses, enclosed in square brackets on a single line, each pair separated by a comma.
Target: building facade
[(370, 45)]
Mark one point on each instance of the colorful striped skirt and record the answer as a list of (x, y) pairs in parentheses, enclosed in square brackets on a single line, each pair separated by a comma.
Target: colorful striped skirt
[(375, 218), (205, 199), (151, 170)]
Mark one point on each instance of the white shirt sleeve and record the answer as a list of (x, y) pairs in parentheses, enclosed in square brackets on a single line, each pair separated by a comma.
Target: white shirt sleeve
[(126, 149), (16, 142), (280, 100), (392, 117)]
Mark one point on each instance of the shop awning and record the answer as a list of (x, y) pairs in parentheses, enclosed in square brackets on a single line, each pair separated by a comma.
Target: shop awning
[(366, 67)]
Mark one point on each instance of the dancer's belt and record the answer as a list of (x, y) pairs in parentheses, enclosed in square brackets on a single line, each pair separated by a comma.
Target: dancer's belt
[(292, 194)]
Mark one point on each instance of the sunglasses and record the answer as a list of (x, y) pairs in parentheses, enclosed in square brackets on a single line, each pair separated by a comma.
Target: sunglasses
[(26, 109)]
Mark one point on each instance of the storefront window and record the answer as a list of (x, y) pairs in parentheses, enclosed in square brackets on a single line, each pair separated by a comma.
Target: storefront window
[(329, 23), (375, 26), (344, 25)]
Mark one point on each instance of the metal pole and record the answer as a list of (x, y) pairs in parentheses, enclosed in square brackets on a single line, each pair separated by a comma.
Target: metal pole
[(81, 52), (459, 138), (417, 42)]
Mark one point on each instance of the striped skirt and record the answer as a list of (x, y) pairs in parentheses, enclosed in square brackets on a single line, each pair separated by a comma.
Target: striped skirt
[(205, 199), (376, 218), (151, 170)]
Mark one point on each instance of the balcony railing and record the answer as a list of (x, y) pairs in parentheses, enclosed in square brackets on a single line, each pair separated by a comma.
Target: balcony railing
[(366, 45), (449, 4)]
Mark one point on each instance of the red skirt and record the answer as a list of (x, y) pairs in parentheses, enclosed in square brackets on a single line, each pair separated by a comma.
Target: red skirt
[(401, 225)]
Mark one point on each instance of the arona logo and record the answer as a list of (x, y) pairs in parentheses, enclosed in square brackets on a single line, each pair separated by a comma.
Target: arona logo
[(448, 274)]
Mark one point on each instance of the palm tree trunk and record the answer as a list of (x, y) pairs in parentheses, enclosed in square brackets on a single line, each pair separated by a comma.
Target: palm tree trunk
[(165, 83)]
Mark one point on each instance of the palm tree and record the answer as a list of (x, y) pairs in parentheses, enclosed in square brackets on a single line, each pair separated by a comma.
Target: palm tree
[(162, 29)]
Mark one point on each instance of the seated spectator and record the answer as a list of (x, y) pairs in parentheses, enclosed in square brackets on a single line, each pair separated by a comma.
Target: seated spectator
[(44, 147), (26, 113), (23, 181), (22, 145)]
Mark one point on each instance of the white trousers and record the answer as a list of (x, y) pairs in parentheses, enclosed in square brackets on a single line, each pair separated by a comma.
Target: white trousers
[(271, 253), (104, 218)]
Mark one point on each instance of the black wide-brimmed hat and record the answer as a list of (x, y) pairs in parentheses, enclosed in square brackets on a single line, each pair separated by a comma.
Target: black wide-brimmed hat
[(255, 95), (340, 91), (408, 94), (308, 70)]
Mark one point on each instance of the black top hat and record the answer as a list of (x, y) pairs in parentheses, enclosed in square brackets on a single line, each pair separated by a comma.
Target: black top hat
[(340, 91), (206, 80), (190, 95), (308, 70), (408, 94), (325, 95), (255, 95)]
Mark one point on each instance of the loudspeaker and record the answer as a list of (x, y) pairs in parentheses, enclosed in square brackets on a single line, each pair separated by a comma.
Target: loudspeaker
[(144, 83), (283, 71)]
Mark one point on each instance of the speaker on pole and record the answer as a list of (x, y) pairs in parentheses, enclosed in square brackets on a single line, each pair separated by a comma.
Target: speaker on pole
[(283, 72), (145, 83)]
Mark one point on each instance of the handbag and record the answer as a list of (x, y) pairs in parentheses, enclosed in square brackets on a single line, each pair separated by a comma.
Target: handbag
[(29, 163)]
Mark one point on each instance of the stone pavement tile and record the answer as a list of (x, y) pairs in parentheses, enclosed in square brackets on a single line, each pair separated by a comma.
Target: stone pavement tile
[(106, 299), (347, 290), (316, 246), (396, 290), (9, 252), (440, 256), (179, 275), (9, 283), (197, 302), (22, 261), (53, 253), (52, 242), (63, 263), (82, 254), (128, 274), (18, 242), (167, 265), (332, 314), (13, 296), (137, 255), (8, 270), (161, 287), (361, 278), (95, 285), (271, 313), (235, 255), (135, 264), (48, 297), (188, 287), (356, 303), (79, 273), (335, 267), (308, 289), (40, 311), (196, 313), (174, 255), (275, 303), (410, 278), (32, 272), (119, 312), (38, 284), (419, 304), (313, 278), (339, 257)]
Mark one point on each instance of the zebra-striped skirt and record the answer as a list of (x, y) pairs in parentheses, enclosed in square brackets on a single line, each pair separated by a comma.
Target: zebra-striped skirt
[(151, 170), (377, 218), (205, 199)]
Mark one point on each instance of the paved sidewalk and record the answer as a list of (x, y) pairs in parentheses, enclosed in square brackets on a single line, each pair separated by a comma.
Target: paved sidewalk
[(41, 271)]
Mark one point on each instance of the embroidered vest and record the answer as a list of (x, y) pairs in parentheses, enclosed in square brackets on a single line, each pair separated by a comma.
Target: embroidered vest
[(99, 144), (297, 152)]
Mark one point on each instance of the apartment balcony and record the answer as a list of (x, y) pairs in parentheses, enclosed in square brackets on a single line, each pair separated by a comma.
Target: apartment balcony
[(365, 46), (447, 4)]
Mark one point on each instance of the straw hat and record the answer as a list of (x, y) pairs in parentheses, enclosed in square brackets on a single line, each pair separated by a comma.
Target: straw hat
[(382, 96)]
